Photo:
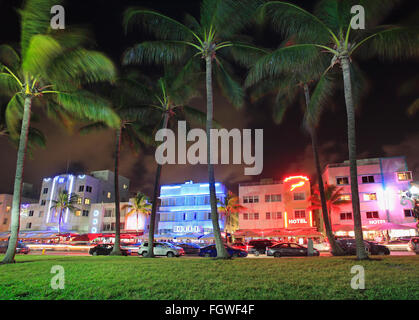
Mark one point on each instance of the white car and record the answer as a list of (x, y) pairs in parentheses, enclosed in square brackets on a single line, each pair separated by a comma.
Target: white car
[(162, 249)]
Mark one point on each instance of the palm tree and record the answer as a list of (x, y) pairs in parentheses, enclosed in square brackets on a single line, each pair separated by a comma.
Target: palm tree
[(230, 208), (125, 98), (329, 31), (51, 68), (334, 200), (168, 98), (65, 201), (287, 88), (185, 42), (139, 206)]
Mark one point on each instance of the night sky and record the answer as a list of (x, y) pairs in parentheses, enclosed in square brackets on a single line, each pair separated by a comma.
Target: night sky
[(383, 127)]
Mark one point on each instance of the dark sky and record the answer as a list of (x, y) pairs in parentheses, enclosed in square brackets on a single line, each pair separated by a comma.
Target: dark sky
[(383, 128)]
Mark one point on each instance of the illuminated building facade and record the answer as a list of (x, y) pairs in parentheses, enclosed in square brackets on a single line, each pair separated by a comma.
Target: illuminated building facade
[(98, 187), (185, 208), (380, 182), (275, 207)]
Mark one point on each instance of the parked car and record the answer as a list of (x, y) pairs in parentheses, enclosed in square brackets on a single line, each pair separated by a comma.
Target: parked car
[(162, 249), (189, 248), (414, 245), (132, 248), (289, 250), (373, 248), (240, 245), (211, 251), (20, 248), (105, 250), (258, 247)]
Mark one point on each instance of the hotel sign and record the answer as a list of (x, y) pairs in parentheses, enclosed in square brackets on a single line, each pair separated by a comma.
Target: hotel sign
[(186, 229), (377, 221), (297, 221)]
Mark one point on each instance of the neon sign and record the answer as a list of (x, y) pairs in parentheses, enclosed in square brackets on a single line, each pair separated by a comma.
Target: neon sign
[(297, 221), (183, 229), (377, 221), (298, 184)]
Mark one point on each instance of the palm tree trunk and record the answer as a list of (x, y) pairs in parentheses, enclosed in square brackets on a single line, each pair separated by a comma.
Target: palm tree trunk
[(350, 111), (17, 190), (336, 249), (221, 251), (59, 221), (151, 229), (116, 251)]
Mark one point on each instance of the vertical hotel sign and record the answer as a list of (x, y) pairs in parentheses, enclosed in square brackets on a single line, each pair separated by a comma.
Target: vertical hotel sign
[(294, 183)]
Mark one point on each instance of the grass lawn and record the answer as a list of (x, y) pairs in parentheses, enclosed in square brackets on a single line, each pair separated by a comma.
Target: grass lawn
[(394, 277)]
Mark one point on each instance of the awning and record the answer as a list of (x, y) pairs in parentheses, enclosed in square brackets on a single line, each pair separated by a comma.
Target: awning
[(388, 226), (87, 237), (187, 236)]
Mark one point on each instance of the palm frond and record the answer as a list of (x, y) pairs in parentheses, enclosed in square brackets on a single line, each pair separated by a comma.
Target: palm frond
[(319, 100), (163, 27), (230, 88), (294, 58), (42, 49), (217, 14), (246, 54), (158, 52), (8, 85), (284, 99), (14, 114), (9, 57), (289, 19), (86, 105), (80, 66), (35, 17), (389, 43), (194, 115)]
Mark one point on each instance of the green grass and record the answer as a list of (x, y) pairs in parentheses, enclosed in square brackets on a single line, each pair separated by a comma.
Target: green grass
[(395, 277)]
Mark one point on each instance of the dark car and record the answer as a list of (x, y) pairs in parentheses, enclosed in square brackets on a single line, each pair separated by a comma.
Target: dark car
[(258, 247), (211, 251), (105, 250), (373, 248), (289, 250), (20, 248), (414, 245), (189, 248)]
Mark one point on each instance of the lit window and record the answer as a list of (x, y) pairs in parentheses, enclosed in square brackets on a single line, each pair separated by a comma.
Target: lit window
[(250, 199), (108, 195), (299, 196), (342, 180), (404, 176), (408, 213), (8, 208), (78, 213), (368, 179), (370, 196), (86, 201), (79, 200), (346, 216), (298, 214), (125, 186), (372, 215), (345, 197)]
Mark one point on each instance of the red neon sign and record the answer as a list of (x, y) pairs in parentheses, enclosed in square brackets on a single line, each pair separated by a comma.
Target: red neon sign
[(298, 184)]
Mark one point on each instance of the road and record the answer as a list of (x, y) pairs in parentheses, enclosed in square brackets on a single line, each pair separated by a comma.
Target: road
[(78, 253)]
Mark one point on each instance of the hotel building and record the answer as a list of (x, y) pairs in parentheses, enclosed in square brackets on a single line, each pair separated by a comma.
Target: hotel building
[(93, 189), (185, 208), (276, 208), (380, 181)]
